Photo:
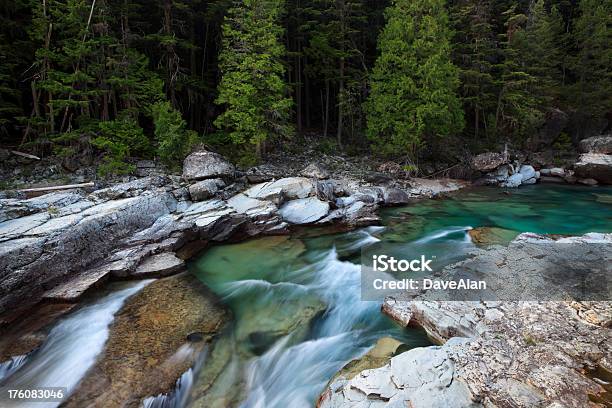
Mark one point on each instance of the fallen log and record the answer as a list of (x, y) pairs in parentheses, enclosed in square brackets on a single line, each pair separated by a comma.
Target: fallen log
[(54, 188), (26, 155)]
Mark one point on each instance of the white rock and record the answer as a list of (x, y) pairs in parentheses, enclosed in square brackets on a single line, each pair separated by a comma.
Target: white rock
[(304, 210)]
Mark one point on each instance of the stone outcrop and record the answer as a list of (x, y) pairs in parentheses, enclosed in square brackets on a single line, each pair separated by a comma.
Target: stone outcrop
[(596, 144), (419, 378), (59, 246), (203, 165), (486, 162), (205, 189), (514, 353), (596, 166)]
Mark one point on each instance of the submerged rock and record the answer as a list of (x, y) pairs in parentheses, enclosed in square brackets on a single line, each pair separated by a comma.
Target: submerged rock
[(492, 235), (148, 346)]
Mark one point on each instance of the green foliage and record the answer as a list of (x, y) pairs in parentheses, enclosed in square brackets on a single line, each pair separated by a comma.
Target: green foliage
[(531, 71), (592, 66), (252, 88), (120, 139), (475, 49), (174, 140), (413, 95)]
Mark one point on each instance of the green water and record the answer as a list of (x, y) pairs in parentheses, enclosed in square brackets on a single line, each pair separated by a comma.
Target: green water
[(296, 300)]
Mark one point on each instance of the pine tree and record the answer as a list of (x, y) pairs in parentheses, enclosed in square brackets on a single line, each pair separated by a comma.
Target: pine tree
[(531, 71), (252, 87), (592, 93), (414, 83), (475, 50)]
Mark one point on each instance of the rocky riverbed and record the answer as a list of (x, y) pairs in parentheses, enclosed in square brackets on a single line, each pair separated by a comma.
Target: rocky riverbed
[(58, 248), (497, 354)]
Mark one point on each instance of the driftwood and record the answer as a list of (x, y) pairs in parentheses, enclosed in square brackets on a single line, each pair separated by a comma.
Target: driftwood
[(28, 156), (53, 188)]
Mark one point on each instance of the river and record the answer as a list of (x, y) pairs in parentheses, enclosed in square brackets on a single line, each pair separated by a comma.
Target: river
[(298, 314)]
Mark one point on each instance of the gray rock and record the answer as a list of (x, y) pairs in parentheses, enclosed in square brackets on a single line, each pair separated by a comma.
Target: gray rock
[(279, 190), (159, 265), (532, 180), (421, 378), (513, 181), (69, 248), (527, 172), (131, 188), (395, 196), (304, 210), (557, 172), (596, 144), (553, 180), (252, 207), (316, 171), (588, 181), (522, 353), (596, 166), (489, 161), (203, 164), (264, 172), (205, 189), (545, 172)]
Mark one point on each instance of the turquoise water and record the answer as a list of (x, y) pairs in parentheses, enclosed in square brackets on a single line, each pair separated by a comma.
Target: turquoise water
[(296, 300)]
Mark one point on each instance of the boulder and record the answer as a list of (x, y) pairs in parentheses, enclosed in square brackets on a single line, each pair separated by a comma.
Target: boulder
[(304, 210), (513, 181), (557, 172), (395, 196), (527, 172), (596, 144), (316, 171), (203, 165), (205, 189), (588, 181), (596, 166), (285, 188), (489, 161), (264, 172)]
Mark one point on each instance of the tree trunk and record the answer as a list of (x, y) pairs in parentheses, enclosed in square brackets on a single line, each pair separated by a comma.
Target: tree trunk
[(340, 103), (326, 119)]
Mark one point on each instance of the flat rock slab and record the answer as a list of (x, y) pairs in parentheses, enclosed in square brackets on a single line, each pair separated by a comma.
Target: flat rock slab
[(163, 264), (304, 211), (72, 290)]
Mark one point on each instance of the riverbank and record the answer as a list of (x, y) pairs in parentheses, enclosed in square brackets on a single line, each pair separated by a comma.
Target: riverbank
[(64, 246)]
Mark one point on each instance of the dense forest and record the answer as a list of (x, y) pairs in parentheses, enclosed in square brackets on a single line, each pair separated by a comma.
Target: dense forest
[(399, 78)]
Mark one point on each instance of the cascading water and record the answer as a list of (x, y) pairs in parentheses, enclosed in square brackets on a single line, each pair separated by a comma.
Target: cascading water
[(10, 366), (69, 351)]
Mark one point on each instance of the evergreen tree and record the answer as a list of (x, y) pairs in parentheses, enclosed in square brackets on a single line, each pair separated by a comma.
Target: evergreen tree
[(592, 93), (414, 83), (252, 87), (475, 50), (531, 71)]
